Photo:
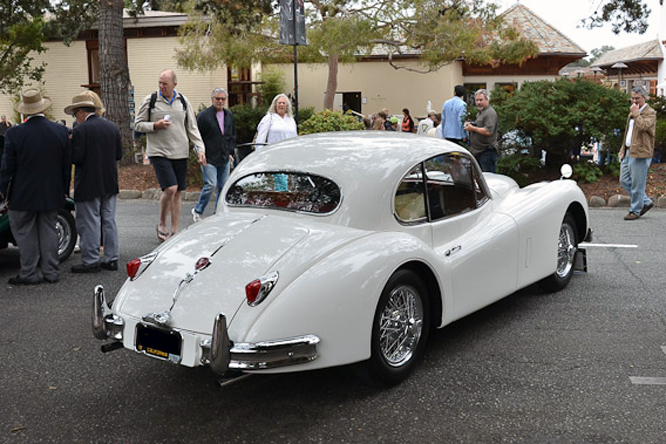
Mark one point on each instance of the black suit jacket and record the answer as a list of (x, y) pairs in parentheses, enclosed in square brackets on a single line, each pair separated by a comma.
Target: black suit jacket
[(36, 163), (218, 146), (96, 149)]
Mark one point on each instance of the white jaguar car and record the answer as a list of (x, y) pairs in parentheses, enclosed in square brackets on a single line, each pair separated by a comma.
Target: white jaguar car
[(343, 248)]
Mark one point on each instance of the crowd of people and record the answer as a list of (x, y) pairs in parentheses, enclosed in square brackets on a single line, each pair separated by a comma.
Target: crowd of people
[(39, 154), (479, 136)]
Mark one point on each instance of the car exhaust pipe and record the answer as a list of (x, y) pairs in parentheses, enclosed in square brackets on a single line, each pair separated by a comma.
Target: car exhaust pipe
[(111, 346), (220, 347), (99, 307)]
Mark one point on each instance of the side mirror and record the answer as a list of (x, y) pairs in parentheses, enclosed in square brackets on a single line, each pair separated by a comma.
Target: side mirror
[(566, 171)]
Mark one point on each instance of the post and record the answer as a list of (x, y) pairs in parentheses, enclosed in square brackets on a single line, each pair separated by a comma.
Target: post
[(295, 62)]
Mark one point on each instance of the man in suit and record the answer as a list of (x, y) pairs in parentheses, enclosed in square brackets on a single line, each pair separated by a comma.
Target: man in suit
[(218, 131), (96, 147), (34, 175)]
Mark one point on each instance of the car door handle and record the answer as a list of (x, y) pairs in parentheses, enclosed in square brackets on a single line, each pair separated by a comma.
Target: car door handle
[(452, 250)]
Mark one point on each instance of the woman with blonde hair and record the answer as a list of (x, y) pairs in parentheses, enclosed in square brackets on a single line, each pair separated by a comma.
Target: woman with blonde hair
[(278, 123)]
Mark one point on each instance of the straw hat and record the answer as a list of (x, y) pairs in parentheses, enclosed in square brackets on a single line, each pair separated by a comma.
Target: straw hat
[(80, 101), (32, 102)]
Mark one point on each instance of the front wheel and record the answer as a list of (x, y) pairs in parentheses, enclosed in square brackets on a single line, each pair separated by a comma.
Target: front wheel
[(567, 246), (66, 229), (399, 332)]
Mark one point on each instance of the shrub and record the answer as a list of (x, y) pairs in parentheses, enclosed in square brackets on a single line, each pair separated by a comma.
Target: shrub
[(329, 120), (588, 172), (521, 168)]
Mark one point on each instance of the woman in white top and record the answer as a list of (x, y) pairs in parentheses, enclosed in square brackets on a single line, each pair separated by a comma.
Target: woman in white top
[(278, 123)]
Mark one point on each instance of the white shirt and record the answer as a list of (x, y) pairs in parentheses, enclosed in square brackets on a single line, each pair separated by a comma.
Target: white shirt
[(274, 128)]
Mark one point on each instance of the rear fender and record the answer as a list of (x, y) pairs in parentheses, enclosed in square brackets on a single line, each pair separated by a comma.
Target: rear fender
[(335, 299)]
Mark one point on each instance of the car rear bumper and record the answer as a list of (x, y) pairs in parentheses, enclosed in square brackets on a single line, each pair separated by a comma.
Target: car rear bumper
[(217, 350)]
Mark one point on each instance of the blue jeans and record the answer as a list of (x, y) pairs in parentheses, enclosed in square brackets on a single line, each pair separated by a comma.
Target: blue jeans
[(213, 178), (487, 161), (633, 176)]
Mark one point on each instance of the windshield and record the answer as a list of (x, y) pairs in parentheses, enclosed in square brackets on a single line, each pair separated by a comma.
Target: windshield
[(285, 191)]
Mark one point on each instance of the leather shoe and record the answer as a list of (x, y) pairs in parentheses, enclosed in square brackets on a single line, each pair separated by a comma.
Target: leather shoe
[(631, 216), (647, 208), (18, 280), (82, 268), (113, 265), (51, 281)]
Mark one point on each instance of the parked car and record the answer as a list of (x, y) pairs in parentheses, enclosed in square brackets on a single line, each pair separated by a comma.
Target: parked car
[(378, 238), (65, 227)]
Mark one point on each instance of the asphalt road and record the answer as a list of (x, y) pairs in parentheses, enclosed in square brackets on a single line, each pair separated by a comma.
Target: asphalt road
[(583, 366)]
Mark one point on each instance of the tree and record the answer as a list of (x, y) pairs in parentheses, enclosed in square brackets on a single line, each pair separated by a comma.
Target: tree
[(22, 31), (114, 72), (563, 115), (623, 15), (341, 30)]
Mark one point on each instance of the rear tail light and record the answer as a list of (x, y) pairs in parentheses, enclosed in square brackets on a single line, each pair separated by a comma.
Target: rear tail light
[(257, 290), (137, 266)]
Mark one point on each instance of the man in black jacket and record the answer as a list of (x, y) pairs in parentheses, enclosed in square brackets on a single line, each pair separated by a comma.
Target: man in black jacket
[(96, 149), (218, 131), (35, 175)]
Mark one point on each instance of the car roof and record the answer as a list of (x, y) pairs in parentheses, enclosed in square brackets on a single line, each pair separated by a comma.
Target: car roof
[(367, 165), (379, 157)]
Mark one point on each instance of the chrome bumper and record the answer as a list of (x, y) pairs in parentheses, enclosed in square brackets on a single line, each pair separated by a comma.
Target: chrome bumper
[(222, 355), (219, 352)]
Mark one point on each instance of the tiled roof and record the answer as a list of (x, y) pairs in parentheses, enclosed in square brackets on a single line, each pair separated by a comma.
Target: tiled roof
[(641, 51), (534, 28)]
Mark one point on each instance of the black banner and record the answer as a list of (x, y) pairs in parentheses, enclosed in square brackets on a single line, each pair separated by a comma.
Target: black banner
[(290, 34)]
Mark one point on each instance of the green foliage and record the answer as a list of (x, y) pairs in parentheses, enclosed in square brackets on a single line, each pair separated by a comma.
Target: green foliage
[(273, 84), (563, 115), (247, 118), (521, 168), (304, 114), (613, 169), (588, 172), (623, 15), (22, 31), (329, 120)]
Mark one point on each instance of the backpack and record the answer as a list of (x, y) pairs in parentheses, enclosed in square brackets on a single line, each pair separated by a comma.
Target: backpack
[(153, 99)]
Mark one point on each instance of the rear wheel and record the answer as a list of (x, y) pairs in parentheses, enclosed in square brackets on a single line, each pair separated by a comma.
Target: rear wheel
[(567, 246), (399, 332), (66, 229)]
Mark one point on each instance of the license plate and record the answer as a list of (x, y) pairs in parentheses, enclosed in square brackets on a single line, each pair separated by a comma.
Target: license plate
[(161, 344)]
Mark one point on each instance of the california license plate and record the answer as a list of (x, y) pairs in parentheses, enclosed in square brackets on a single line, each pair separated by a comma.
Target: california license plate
[(163, 344)]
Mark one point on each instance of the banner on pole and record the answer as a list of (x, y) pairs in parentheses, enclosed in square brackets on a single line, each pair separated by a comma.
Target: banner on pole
[(292, 33)]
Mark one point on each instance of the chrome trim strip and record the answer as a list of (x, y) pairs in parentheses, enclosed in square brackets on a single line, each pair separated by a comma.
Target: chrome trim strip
[(219, 346)]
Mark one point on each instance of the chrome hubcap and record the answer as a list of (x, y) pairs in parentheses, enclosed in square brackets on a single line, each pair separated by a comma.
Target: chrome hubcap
[(400, 326), (566, 251)]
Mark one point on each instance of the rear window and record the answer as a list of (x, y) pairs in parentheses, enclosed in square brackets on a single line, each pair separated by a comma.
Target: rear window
[(285, 191)]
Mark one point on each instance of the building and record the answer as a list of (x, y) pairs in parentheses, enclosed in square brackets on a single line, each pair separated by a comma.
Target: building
[(371, 84), (365, 86)]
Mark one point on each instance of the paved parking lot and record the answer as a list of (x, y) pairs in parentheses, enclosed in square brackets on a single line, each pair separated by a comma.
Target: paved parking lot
[(583, 366)]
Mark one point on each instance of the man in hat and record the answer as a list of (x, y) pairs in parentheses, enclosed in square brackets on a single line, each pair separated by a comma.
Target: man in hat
[(34, 176), (168, 119), (96, 147)]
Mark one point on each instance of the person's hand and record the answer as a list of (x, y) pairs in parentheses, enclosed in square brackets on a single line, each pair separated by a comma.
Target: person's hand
[(162, 124), (201, 157)]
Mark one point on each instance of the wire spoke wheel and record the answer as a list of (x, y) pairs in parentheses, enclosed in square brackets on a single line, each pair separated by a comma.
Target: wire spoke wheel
[(566, 250), (400, 325)]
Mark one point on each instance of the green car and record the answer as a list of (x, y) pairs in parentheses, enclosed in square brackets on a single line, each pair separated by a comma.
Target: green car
[(65, 227)]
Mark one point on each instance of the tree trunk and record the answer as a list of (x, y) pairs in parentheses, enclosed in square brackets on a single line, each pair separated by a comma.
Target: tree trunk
[(332, 84), (114, 73)]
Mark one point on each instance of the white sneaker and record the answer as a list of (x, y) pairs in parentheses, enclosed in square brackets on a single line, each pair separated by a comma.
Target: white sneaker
[(196, 217)]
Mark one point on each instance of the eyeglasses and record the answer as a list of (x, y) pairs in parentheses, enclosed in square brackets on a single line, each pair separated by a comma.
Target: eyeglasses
[(221, 99)]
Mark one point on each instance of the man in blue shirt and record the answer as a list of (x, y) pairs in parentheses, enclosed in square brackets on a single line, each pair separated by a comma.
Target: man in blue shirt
[(454, 112)]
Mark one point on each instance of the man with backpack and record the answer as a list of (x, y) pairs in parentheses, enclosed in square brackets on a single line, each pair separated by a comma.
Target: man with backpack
[(170, 124)]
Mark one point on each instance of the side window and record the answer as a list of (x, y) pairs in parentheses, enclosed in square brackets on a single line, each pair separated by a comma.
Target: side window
[(409, 199), (451, 185)]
